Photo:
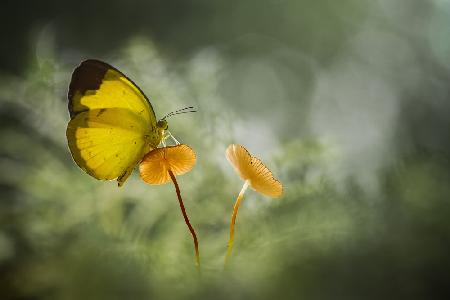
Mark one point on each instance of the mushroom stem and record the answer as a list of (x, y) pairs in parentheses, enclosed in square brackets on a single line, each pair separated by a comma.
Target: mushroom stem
[(233, 220), (186, 219)]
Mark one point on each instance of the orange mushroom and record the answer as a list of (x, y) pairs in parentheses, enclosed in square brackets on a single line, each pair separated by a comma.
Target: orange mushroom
[(159, 166), (256, 175)]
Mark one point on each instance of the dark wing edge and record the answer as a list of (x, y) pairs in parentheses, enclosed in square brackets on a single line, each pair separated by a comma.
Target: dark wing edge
[(89, 76)]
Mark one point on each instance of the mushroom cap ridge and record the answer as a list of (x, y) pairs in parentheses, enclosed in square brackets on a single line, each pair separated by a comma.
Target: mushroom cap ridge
[(252, 169)]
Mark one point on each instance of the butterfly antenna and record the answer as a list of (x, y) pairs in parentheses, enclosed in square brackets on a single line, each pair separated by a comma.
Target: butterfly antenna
[(184, 112), (189, 107), (168, 115), (179, 112)]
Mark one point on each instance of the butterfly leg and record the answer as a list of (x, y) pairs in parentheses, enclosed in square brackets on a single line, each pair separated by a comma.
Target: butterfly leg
[(121, 179), (164, 138), (173, 138)]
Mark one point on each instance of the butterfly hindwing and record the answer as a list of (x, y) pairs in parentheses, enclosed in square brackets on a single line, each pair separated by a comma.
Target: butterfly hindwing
[(104, 148)]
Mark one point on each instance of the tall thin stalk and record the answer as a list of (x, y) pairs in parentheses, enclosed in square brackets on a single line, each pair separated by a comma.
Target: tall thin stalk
[(233, 220), (186, 219)]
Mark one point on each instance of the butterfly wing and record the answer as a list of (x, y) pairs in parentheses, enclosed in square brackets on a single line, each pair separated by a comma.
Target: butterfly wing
[(112, 123)]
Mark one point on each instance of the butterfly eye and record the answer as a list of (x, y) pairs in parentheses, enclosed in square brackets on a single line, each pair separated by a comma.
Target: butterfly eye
[(162, 124)]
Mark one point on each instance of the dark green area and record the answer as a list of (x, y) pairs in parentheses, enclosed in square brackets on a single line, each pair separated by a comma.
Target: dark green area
[(347, 102)]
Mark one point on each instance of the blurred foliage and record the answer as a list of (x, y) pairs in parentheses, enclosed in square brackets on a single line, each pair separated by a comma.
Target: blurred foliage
[(346, 102)]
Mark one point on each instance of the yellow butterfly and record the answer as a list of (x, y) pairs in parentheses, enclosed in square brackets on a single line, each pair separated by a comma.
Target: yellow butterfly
[(112, 124)]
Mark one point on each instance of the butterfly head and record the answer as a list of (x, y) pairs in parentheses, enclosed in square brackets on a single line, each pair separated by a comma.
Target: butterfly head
[(161, 128), (162, 124)]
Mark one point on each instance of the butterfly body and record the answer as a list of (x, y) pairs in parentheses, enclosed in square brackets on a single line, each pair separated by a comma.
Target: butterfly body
[(112, 124)]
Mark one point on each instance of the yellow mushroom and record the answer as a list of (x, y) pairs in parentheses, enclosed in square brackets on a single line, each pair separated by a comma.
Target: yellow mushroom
[(256, 175), (161, 165)]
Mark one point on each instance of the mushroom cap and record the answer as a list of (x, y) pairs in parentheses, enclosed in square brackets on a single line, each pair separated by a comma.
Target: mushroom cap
[(154, 167), (252, 169)]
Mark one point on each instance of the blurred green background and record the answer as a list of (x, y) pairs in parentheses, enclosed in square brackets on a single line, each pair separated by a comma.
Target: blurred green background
[(347, 102)]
